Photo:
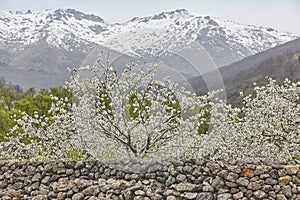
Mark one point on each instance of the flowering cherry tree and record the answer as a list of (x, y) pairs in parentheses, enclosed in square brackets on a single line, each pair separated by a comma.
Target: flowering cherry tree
[(134, 114), (266, 128), (127, 115)]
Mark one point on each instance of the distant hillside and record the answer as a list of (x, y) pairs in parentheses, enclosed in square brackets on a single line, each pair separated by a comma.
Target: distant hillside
[(278, 63)]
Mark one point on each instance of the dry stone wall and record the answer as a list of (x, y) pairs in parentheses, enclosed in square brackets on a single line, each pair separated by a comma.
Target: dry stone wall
[(173, 179)]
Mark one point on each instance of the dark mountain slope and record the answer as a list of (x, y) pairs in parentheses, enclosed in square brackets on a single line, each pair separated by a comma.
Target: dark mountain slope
[(279, 63)]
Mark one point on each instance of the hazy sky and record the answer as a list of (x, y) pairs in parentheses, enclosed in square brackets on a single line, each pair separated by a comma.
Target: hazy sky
[(283, 15)]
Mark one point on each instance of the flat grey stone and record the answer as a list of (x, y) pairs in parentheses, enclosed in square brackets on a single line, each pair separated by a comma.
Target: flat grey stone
[(208, 188), (232, 177), (79, 165), (254, 186), (287, 190), (170, 181), (238, 195), (224, 196), (205, 196), (78, 196), (180, 177), (271, 181), (218, 183), (171, 198), (190, 195), (259, 194), (242, 182)]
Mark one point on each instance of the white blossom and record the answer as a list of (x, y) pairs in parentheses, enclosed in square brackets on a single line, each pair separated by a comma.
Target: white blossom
[(266, 129)]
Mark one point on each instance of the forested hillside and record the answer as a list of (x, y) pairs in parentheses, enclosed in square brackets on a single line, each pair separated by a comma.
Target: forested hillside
[(279, 63)]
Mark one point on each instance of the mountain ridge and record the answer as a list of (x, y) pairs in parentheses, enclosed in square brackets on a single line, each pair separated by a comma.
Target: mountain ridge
[(50, 41), (61, 24)]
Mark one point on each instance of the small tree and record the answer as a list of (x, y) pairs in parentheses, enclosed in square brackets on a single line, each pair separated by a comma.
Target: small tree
[(133, 114)]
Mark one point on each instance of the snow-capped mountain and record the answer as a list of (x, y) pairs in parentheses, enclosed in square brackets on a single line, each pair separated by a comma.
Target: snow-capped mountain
[(51, 40), (61, 28), (225, 40)]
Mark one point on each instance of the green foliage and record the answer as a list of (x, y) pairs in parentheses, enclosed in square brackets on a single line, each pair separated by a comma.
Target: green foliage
[(134, 114), (104, 100), (6, 122), (38, 103), (75, 154), (7, 98), (29, 93), (209, 156), (206, 118), (59, 92), (11, 102), (202, 128)]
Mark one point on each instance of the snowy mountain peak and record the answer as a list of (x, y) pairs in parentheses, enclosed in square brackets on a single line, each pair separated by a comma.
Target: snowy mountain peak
[(179, 13), (69, 13), (70, 29), (19, 19), (171, 15)]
